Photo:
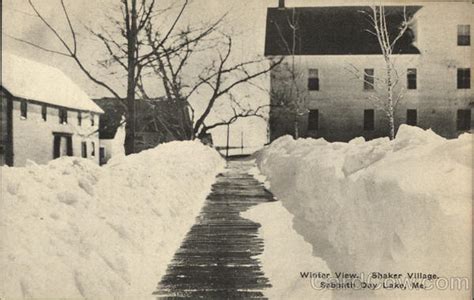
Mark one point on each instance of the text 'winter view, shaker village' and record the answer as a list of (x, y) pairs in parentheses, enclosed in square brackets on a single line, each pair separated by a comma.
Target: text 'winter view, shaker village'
[(252, 149)]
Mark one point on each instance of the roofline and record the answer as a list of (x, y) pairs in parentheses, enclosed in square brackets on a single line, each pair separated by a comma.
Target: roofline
[(273, 11), (340, 6), (34, 101), (155, 99), (338, 54)]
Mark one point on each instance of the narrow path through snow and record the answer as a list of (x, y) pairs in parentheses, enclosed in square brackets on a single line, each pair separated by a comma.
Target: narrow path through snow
[(217, 259)]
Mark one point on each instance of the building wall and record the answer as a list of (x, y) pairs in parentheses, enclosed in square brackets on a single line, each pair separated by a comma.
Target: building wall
[(33, 137), (114, 147), (341, 99), (6, 133), (3, 124)]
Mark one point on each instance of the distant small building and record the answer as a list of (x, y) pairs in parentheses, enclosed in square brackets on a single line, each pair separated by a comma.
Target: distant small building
[(44, 115), (112, 140), (157, 121)]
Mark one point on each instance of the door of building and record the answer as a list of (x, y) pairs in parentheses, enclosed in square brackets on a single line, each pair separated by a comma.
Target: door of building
[(62, 145), (102, 156)]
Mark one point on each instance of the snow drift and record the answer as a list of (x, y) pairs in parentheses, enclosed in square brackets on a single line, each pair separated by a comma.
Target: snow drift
[(73, 229), (379, 206), (286, 255)]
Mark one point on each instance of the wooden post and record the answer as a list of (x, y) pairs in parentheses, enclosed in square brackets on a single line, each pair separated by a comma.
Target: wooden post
[(241, 142), (227, 147)]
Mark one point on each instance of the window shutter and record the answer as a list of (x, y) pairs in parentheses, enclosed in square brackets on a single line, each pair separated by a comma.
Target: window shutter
[(313, 80), (464, 78), (44, 112), (463, 119), (411, 117), (464, 35), (56, 146), (69, 145), (369, 79), (24, 109), (369, 122), (313, 119), (411, 79)]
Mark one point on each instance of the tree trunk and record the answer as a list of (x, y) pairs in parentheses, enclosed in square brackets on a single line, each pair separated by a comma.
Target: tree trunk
[(297, 131), (187, 124), (130, 128), (391, 115)]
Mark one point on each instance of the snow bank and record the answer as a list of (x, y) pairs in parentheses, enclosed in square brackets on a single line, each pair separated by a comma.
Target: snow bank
[(380, 206), (286, 255), (73, 229)]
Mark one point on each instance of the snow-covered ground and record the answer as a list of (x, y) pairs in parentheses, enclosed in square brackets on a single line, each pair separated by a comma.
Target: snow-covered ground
[(285, 254), (379, 206), (73, 229)]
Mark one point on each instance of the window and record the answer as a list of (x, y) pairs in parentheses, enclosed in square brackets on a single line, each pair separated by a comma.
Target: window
[(411, 79), (62, 116), (44, 112), (23, 109), (93, 149), (79, 118), (464, 119), (84, 149), (464, 78), (313, 119), (369, 122), (369, 79), (411, 117), (313, 80), (92, 119), (464, 35)]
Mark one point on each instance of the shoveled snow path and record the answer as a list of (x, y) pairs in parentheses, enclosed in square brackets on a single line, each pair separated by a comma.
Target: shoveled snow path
[(217, 259)]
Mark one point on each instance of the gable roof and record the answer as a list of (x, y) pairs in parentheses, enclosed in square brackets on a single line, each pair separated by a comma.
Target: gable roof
[(32, 80), (335, 30)]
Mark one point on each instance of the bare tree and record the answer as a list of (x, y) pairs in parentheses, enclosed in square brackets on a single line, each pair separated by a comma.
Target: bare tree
[(238, 112), (222, 77), (127, 49), (140, 48), (169, 60), (216, 80), (290, 96), (387, 39)]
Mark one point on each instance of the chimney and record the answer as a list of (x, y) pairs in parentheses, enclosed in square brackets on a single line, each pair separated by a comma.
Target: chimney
[(281, 3)]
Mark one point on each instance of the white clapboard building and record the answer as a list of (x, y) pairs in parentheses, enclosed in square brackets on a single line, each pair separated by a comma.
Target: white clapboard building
[(44, 114)]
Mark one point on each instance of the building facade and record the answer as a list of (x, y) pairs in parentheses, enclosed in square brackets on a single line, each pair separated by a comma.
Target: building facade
[(44, 115), (333, 57)]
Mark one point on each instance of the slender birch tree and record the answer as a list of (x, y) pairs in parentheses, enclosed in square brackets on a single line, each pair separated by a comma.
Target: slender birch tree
[(291, 96), (390, 95)]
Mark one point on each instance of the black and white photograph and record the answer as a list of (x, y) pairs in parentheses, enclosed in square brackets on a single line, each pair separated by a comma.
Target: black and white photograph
[(236, 149)]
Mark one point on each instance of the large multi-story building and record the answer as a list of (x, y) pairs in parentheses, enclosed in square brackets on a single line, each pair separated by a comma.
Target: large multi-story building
[(44, 115), (333, 58)]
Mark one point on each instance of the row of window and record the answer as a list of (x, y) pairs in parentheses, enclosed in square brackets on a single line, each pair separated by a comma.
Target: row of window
[(62, 146), (62, 112), (463, 119), (463, 79)]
